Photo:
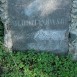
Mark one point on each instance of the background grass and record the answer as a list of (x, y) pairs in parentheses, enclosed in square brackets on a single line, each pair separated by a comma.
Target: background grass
[(32, 64)]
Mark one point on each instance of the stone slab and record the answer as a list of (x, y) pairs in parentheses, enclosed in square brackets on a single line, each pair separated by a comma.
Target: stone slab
[(42, 25)]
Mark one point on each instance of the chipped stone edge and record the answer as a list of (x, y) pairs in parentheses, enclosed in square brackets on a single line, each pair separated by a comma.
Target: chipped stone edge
[(5, 19), (73, 30)]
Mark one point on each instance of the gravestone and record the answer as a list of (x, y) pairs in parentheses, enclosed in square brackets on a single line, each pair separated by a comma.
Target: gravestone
[(42, 25)]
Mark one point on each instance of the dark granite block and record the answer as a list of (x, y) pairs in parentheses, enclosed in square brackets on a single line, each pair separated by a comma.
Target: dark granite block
[(38, 24)]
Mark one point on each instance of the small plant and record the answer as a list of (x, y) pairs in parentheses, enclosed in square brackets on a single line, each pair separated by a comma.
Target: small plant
[(32, 64)]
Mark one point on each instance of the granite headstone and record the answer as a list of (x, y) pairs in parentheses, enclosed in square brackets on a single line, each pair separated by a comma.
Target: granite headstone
[(42, 25)]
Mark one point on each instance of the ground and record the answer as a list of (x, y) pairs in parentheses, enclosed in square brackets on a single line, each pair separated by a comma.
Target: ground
[(32, 64)]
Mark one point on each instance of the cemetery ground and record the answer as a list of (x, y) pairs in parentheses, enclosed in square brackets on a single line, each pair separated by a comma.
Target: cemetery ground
[(32, 64)]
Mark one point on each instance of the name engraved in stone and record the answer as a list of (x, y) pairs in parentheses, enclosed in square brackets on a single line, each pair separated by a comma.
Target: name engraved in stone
[(42, 22)]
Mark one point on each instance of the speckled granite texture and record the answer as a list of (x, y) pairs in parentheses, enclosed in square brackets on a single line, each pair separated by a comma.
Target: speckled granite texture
[(6, 20), (38, 24), (73, 31)]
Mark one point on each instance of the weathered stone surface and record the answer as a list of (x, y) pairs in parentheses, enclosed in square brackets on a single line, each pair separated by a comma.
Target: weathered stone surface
[(73, 31), (38, 24)]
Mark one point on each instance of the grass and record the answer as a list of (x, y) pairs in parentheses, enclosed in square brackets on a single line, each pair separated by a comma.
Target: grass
[(32, 64)]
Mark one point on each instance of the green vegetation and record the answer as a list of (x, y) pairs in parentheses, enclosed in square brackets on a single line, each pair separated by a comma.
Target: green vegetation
[(32, 64)]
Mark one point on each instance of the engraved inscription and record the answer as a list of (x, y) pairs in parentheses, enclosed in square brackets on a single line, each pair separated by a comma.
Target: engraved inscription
[(39, 22)]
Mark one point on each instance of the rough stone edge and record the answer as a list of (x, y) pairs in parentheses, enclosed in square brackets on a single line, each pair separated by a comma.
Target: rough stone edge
[(5, 19), (73, 31)]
